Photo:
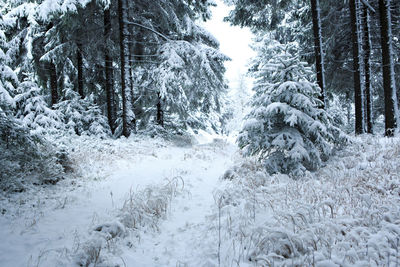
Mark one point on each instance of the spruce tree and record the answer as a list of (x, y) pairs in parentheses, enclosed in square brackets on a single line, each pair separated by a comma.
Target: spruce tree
[(81, 116), (286, 127), (32, 109)]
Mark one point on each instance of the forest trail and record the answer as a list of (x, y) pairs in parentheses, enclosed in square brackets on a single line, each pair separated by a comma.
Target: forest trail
[(51, 226), (177, 241)]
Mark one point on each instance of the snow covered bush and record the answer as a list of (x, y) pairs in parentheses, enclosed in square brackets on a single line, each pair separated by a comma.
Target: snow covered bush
[(286, 128), (25, 158), (142, 211), (344, 214), (33, 111), (82, 116)]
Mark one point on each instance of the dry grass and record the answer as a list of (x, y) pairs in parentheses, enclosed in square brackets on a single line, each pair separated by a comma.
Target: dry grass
[(346, 213)]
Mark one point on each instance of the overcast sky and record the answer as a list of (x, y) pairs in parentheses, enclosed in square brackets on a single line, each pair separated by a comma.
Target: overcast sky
[(234, 42)]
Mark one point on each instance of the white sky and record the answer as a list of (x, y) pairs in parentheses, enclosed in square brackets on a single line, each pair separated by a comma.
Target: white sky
[(234, 42)]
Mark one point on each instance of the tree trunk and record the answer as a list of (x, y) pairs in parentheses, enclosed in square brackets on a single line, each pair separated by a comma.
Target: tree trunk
[(160, 112), (80, 69), (131, 77), (389, 85), (319, 56), (124, 67), (109, 82), (139, 49), (53, 84), (367, 69), (358, 98), (138, 52)]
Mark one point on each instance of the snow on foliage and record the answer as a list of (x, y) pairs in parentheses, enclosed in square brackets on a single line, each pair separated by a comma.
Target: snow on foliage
[(190, 82), (82, 116), (8, 79), (142, 211), (286, 128), (25, 158), (345, 214), (51, 7), (33, 111)]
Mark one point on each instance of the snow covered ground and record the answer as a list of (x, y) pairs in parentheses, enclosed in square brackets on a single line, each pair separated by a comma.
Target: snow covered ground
[(149, 202), (54, 226), (345, 214)]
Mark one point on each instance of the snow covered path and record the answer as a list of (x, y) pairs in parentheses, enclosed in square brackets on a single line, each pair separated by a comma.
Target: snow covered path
[(47, 227), (177, 243)]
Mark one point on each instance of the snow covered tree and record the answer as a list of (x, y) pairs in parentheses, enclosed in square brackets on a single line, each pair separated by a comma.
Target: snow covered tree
[(367, 67), (286, 128), (319, 53), (25, 157), (190, 82), (32, 110), (82, 116), (58, 40), (389, 85), (178, 69), (358, 90)]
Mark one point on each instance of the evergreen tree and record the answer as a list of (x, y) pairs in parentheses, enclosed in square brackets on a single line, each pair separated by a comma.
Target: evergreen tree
[(32, 110), (190, 81), (389, 85), (367, 67), (81, 116), (286, 128), (358, 89), (319, 54), (25, 157)]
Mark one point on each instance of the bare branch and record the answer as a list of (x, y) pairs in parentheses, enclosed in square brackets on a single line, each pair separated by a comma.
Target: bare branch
[(368, 5), (147, 28)]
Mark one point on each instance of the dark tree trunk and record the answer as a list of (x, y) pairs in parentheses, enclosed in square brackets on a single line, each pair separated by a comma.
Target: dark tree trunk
[(80, 69), (389, 85), (123, 50), (139, 49), (160, 112), (53, 84), (138, 53), (319, 56), (131, 81), (109, 82), (358, 98), (367, 69)]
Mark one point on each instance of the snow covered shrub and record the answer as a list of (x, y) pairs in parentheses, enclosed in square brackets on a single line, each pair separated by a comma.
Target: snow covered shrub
[(33, 111), (25, 158), (147, 207), (82, 116), (349, 216), (286, 128)]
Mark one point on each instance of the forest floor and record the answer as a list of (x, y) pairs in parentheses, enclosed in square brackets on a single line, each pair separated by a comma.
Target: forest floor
[(149, 202), (55, 225)]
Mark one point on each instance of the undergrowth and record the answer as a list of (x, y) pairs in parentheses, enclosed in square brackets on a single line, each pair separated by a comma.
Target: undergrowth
[(345, 214), (142, 211)]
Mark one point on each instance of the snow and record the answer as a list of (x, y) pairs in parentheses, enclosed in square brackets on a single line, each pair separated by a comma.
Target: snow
[(49, 226), (149, 202), (345, 214)]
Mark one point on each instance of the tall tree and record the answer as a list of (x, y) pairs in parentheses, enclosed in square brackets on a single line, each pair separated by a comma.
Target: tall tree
[(319, 56), (53, 83), (108, 69), (122, 20), (79, 59), (358, 97), (367, 67), (389, 85)]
